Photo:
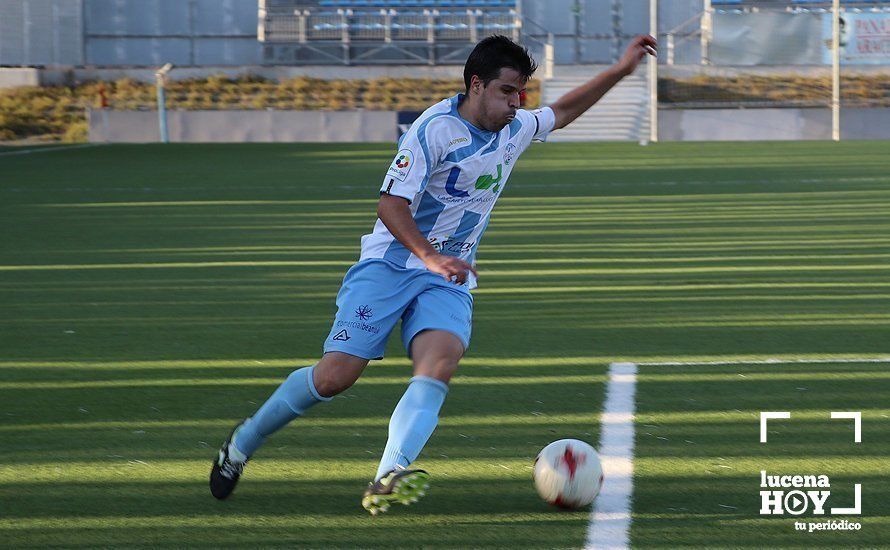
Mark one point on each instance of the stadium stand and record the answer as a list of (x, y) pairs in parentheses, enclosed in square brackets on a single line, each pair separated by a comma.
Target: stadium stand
[(381, 31), (785, 3), (429, 4), (395, 4)]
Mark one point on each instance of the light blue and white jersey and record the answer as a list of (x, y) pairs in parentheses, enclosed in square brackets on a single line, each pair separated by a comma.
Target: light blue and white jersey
[(452, 173)]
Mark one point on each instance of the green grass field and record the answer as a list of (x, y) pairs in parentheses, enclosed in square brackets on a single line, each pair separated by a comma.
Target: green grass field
[(151, 296)]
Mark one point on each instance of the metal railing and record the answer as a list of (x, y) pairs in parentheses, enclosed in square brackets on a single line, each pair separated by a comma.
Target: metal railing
[(346, 25), (696, 27), (409, 35)]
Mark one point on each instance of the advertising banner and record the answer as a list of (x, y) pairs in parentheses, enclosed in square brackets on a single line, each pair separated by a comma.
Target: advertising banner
[(864, 38)]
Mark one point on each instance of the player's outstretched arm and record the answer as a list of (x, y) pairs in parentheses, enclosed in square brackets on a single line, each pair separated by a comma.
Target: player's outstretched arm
[(393, 211), (573, 104)]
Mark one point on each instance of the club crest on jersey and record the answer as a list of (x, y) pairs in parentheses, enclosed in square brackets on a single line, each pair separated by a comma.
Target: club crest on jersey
[(401, 165), (509, 152)]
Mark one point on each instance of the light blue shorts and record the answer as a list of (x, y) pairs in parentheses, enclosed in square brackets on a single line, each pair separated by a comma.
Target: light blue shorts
[(376, 294)]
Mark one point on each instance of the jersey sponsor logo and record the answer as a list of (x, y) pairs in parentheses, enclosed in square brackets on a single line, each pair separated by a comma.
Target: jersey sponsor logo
[(480, 199), (401, 165), (451, 184), (489, 181), (450, 246), (485, 181), (460, 319), (357, 325), (456, 141)]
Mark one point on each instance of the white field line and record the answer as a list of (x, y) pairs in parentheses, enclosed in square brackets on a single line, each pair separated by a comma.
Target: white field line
[(49, 149), (611, 516), (610, 519), (762, 362)]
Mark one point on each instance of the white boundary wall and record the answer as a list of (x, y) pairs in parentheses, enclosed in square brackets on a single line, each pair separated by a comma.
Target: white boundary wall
[(244, 126), (770, 124), (380, 126)]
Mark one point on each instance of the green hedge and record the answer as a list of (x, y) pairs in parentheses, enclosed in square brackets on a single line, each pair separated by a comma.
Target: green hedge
[(781, 90), (57, 113)]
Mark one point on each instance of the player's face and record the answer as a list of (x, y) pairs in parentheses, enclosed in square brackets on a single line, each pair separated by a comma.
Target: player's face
[(500, 99)]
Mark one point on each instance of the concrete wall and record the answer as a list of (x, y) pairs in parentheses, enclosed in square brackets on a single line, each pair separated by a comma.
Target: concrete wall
[(770, 124), (381, 126), (245, 126)]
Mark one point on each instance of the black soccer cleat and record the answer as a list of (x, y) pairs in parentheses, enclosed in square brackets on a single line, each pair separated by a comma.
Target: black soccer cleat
[(400, 486), (225, 472)]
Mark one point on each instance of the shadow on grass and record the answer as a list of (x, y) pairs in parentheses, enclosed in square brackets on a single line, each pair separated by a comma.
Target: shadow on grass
[(456, 513)]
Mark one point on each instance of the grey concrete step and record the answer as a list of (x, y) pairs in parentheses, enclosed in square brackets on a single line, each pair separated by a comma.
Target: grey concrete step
[(621, 115)]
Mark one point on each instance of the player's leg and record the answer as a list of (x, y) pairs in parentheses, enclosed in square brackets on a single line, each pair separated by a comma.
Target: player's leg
[(436, 328), (303, 389), (367, 312), (436, 354)]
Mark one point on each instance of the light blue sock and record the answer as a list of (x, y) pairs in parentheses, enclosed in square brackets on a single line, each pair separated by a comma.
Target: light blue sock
[(412, 422), (292, 399)]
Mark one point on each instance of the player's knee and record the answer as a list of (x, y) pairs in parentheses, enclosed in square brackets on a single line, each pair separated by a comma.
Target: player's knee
[(440, 368), (329, 383), (331, 376)]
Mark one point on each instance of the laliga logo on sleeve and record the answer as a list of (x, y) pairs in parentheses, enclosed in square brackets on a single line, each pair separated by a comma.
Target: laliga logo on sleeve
[(808, 492), (401, 166)]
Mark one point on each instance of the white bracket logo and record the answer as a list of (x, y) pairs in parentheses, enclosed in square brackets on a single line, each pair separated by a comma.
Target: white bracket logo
[(856, 416), (796, 502)]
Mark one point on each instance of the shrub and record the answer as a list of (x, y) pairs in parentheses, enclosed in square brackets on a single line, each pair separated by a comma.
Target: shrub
[(57, 113)]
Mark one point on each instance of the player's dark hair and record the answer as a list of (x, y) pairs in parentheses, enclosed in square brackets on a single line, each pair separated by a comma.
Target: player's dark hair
[(493, 54)]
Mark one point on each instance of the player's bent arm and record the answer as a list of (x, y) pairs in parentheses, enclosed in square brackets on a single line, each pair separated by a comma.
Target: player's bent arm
[(393, 211), (576, 102)]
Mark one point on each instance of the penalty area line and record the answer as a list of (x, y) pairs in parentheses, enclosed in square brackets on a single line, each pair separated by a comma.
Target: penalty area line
[(611, 515)]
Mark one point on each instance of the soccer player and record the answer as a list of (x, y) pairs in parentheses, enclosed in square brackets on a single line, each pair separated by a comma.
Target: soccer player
[(417, 264)]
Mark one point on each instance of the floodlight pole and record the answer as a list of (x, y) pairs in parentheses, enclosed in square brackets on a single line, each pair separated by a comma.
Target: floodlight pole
[(161, 77), (707, 25), (653, 74), (836, 70)]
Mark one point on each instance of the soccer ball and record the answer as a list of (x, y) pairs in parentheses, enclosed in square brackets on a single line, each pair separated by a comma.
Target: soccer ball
[(568, 473)]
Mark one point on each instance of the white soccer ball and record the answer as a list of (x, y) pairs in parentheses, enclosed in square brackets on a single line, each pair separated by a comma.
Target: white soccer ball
[(568, 473)]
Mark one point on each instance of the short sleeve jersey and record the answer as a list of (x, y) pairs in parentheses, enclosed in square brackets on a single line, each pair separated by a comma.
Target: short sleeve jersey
[(452, 173)]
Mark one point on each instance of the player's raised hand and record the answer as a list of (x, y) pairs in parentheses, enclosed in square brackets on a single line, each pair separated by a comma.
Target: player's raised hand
[(450, 267), (635, 52)]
